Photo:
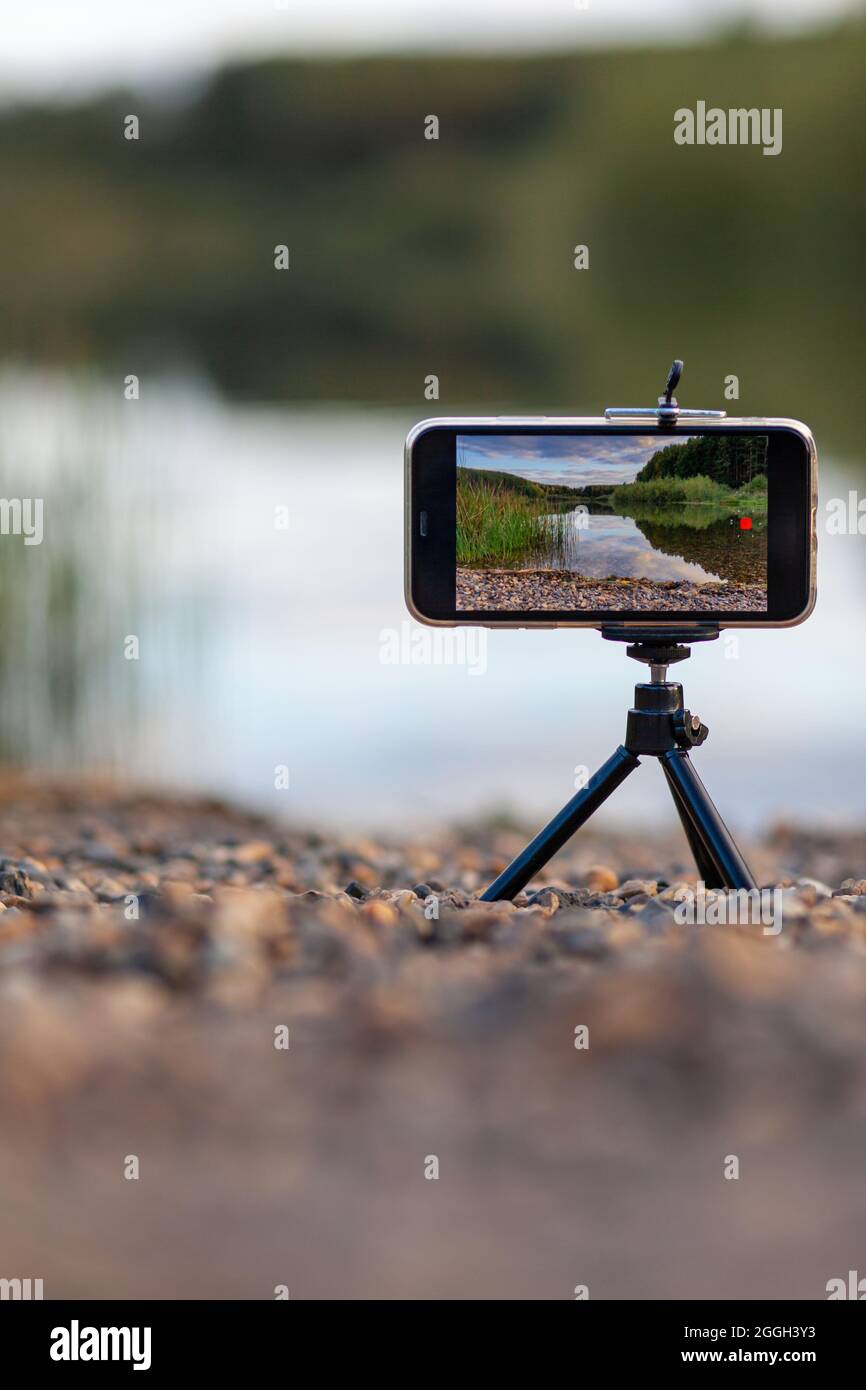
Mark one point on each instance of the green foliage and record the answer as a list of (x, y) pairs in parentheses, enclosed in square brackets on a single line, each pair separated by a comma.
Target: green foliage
[(500, 482), (669, 489), (498, 524), (693, 501), (731, 460), (455, 256)]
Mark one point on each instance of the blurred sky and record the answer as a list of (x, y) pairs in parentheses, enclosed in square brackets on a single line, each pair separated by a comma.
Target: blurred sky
[(54, 46)]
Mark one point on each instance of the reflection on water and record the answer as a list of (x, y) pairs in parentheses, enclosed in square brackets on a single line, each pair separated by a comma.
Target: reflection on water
[(261, 646), (722, 545), (695, 543), (603, 546)]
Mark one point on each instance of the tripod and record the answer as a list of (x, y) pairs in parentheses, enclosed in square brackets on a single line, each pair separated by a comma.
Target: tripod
[(659, 726)]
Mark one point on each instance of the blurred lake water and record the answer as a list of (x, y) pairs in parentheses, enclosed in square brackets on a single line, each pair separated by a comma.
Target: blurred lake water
[(264, 645)]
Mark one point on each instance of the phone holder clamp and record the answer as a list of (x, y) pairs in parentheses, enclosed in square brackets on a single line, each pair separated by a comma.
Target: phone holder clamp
[(668, 411)]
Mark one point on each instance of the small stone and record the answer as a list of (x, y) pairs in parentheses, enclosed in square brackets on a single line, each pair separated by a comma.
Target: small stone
[(253, 852), (656, 915), (354, 889), (478, 925), (601, 879), (379, 913), (677, 892), (108, 857), (422, 890), (365, 874), (546, 898), (812, 890), (35, 869), (108, 890), (13, 880), (175, 894), (72, 883), (404, 898), (632, 886)]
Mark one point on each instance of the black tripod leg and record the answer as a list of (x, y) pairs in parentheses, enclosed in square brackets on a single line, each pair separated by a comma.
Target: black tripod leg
[(708, 828), (706, 866), (562, 827)]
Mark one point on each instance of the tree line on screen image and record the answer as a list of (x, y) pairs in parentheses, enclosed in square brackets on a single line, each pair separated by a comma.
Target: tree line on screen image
[(729, 471)]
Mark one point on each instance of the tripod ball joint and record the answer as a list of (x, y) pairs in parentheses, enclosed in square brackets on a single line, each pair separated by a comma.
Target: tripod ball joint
[(689, 732)]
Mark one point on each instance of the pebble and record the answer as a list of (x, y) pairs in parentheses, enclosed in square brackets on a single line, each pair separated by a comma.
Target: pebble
[(546, 898), (457, 1035), (255, 852), (13, 879), (563, 589), (601, 879), (379, 913), (633, 886), (222, 895), (404, 898), (657, 915), (812, 890), (109, 890)]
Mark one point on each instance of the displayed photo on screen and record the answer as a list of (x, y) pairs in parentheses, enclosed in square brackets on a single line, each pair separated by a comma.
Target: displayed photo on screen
[(612, 523)]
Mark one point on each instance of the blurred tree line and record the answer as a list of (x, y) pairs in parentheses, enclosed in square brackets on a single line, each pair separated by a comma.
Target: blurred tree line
[(455, 257)]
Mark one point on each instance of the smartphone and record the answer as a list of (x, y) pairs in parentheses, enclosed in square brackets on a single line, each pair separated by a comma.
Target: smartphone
[(589, 522)]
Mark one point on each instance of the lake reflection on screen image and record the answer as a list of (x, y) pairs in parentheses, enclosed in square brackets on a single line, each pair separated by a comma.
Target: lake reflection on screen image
[(598, 543)]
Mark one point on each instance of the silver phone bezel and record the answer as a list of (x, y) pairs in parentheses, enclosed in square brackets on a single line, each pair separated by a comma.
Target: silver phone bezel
[(614, 426)]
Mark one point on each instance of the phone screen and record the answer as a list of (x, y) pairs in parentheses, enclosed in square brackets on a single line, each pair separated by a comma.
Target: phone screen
[(612, 523)]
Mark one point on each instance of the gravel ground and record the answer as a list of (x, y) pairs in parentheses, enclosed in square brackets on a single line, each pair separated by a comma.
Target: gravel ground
[(563, 589), (413, 1037)]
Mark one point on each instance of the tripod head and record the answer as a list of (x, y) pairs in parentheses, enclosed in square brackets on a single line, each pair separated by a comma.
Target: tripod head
[(659, 647)]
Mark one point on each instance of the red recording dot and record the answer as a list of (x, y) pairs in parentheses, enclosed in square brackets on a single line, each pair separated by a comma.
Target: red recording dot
[(745, 523)]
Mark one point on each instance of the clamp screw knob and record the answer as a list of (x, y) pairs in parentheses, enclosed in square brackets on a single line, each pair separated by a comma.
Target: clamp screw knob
[(688, 729)]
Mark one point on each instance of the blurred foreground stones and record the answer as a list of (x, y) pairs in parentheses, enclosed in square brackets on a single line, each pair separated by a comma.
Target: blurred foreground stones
[(152, 952)]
